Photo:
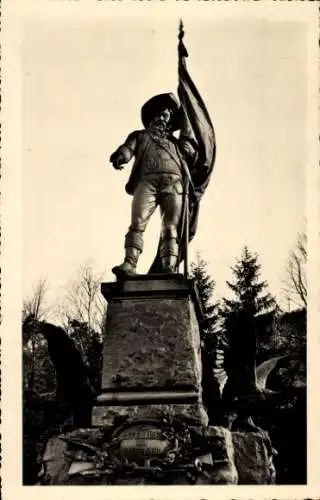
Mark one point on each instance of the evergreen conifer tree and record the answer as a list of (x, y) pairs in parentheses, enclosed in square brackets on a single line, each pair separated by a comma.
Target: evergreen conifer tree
[(205, 285), (251, 298), (208, 333), (248, 287)]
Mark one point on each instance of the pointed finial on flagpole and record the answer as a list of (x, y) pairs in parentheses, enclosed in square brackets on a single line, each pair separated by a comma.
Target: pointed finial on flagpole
[(181, 48), (181, 31)]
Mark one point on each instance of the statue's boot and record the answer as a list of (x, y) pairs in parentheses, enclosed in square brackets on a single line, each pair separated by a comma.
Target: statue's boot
[(128, 267), (169, 264), (169, 253), (169, 250)]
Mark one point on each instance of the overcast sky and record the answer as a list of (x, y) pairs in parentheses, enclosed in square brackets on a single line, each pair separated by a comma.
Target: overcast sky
[(84, 82)]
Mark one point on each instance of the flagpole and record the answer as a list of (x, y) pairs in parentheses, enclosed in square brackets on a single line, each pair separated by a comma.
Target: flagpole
[(181, 54), (186, 226)]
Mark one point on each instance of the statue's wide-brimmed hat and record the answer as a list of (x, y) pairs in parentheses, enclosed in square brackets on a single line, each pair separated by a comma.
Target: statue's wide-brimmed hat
[(156, 104)]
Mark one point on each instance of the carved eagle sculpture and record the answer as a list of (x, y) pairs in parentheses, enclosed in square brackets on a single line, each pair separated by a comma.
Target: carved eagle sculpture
[(74, 388), (262, 371)]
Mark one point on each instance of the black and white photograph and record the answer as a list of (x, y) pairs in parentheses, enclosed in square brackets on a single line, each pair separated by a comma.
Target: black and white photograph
[(166, 224)]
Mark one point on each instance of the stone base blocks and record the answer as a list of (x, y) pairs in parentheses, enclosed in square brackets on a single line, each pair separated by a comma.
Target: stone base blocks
[(151, 353)]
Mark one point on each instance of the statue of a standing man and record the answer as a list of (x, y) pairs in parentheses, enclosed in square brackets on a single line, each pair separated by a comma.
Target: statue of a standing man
[(168, 172), (157, 179)]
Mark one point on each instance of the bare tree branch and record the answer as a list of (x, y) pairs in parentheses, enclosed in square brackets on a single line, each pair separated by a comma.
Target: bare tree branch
[(34, 311), (296, 281), (35, 305), (83, 301)]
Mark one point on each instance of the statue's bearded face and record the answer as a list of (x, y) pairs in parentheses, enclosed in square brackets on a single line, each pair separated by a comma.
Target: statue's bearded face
[(161, 122)]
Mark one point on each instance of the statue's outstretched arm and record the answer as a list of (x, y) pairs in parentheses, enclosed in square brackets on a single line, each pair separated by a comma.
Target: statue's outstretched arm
[(125, 152)]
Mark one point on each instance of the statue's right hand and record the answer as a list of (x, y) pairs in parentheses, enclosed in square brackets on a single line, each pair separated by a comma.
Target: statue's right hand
[(117, 159), (118, 167)]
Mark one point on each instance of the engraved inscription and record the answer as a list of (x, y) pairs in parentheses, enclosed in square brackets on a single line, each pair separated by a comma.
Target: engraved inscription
[(142, 442)]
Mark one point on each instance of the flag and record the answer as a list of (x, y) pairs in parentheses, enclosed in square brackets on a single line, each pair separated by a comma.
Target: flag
[(197, 127)]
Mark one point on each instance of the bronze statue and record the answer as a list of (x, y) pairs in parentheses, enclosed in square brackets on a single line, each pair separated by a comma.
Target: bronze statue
[(168, 172), (157, 178)]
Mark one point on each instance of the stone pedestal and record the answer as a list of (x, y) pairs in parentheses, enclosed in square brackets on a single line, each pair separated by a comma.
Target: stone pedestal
[(149, 424), (151, 354)]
